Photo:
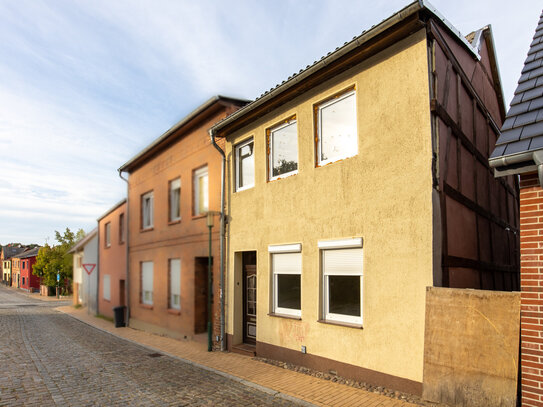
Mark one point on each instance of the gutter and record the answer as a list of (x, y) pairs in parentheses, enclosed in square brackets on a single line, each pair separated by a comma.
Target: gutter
[(222, 237), (533, 160), (127, 280)]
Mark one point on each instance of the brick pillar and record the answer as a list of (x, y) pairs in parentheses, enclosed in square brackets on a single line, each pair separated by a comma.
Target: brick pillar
[(531, 282)]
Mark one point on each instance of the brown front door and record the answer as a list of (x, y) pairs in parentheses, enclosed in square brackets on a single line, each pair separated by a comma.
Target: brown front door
[(200, 294), (249, 297), (122, 289)]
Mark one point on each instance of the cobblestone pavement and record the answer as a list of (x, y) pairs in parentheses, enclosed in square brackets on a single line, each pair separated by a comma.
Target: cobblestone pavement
[(48, 358)]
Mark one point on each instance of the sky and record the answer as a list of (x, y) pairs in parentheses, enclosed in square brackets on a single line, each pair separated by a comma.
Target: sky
[(86, 85)]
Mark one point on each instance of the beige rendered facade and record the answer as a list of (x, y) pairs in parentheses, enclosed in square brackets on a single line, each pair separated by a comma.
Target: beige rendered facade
[(172, 184), (373, 195), (341, 234)]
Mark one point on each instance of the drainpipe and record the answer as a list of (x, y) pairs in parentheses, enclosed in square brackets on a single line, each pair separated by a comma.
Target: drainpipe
[(222, 236), (127, 280)]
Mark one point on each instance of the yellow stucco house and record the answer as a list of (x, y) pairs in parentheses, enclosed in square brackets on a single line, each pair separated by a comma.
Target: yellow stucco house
[(354, 185)]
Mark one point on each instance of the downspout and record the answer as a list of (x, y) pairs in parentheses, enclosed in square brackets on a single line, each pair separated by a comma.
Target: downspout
[(222, 236), (97, 269), (127, 280)]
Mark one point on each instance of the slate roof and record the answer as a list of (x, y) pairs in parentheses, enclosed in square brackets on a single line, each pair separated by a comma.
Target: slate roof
[(522, 130), (28, 253), (10, 251)]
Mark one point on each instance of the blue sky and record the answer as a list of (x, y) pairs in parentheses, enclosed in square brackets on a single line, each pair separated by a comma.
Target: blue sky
[(86, 85)]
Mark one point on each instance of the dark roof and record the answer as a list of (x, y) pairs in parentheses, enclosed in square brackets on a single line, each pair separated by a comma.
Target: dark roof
[(28, 253), (357, 42), (10, 251), (522, 131), (161, 142)]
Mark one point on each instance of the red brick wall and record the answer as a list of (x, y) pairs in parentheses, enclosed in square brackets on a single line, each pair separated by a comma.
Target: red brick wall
[(531, 282)]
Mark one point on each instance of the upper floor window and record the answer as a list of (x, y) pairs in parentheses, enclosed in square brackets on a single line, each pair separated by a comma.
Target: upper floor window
[(24, 265), (147, 210), (122, 230), (283, 149), (107, 232), (201, 191), (106, 287), (337, 135), (175, 200), (245, 165)]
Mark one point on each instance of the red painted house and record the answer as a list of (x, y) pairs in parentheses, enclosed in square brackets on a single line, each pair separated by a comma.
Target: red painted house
[(28, 281)]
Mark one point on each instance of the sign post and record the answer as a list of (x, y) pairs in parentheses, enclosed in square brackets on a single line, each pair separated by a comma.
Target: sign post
[(58, 280), (89, 267)]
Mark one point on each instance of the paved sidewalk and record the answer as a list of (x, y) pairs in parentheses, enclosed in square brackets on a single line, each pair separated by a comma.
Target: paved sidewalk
[(265, 377)]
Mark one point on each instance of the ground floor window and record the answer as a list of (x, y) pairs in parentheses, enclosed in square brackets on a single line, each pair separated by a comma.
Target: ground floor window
[(147, 282), (107, 287), (286, 267), (342, 263), (175, 284)]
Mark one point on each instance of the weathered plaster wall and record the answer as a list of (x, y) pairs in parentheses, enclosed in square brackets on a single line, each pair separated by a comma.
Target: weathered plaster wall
[(383, 194), (471, 347)]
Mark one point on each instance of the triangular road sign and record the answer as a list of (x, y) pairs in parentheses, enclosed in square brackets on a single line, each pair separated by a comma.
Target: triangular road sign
[(88, 268)]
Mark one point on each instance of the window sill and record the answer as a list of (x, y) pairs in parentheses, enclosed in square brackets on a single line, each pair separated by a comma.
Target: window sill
[(199, 216), (174, 222), (273, 314), (107, 246), (147, 229), (283, 176), (245, 188), (339, 323), (146, 306), (174, 311), (106, 300)]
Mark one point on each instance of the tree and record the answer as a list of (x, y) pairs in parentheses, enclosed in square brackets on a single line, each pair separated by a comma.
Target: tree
[(55, 259), (284, 167)]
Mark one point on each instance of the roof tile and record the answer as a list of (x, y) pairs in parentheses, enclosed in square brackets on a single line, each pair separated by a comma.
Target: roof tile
[(537, 143), (517, 147), (532, 130), (526, 85), (498, 151), (536, 72), (508, 123), (519, 108), (508, 136), (532, 94), (526, 118)]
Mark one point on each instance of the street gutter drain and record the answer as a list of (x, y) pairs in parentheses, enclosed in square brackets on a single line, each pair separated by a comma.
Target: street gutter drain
[(155, 355)]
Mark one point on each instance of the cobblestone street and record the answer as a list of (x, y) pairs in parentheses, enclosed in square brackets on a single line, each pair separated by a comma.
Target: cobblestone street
[(48, 358)]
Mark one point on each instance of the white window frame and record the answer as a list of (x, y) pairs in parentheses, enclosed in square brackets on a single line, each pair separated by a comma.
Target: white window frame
[(354, 244), (149, 223), (197, 174), (237, 150), (271, 177), (320, 107), (171, 294), (149, 267), (106, 281), (275, 250), (174, 184)]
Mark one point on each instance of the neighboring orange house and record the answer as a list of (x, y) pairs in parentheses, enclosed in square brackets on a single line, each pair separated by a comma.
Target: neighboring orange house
[(16, 271), (172, 185), (112, 259)]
